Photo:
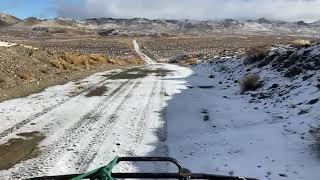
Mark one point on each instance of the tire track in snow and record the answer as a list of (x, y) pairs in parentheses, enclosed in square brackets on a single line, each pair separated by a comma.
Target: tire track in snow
[(161, 148), (90, 152), (69, 139), (140, 127), (162, 132), (35, 116)]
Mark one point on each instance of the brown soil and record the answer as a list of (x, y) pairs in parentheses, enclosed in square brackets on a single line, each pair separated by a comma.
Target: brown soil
[(19, 149), (136, 73), (25, 70), (99, 91)]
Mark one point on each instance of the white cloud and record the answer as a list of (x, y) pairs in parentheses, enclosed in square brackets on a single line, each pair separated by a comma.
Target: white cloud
[(291, 10)]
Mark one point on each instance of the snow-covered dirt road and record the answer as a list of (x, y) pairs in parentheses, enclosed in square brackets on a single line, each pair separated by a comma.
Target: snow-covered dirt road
[(197, 115), (85, 124)]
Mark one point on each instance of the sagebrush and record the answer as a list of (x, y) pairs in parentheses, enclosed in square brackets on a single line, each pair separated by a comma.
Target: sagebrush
[(256, 53), (300, 43), (249, 82), (315, 132)]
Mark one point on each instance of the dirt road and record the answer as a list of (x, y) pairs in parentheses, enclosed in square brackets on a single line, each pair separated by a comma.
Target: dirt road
[(84, 124)]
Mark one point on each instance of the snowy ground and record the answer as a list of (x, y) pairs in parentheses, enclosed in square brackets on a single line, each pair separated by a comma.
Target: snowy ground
[(219, 130), (6, 44), (83, 132), (206, 123)]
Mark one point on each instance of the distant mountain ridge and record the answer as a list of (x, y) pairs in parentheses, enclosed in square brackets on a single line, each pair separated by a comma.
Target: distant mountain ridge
[(160, 27), (8, 19)]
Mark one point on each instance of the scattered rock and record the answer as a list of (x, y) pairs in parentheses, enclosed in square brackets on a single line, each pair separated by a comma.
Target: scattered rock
[(292, 72), (231, 173), (282, 175), (267, 60), (306, 77), (303, 111), (274, 86), (313, 101)]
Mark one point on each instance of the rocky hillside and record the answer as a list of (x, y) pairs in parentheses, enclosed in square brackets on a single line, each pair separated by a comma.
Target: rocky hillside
[(261, 110), (163, 27), (8, 19), (287, 85)]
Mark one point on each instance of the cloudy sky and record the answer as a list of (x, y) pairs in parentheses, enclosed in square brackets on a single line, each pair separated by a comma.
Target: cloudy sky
[(290, 10)]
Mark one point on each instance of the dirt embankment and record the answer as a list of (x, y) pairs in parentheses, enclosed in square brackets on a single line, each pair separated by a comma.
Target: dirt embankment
[(25, 70)]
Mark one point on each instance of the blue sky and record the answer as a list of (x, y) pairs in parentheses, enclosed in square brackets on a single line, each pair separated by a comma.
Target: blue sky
[(36, 8), (26, 8)]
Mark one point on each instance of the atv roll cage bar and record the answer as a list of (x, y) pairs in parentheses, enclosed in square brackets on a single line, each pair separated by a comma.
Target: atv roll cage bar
[(182, 174)]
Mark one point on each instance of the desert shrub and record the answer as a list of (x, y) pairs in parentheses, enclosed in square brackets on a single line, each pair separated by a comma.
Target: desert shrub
[(300, 43), (26, 76), (56, 64), (315, 132), (98, 58), (192, 61), (65, 65), (2, 81), (221, 67), (249, 82), (135, 61), (256, 53), (74, 59)]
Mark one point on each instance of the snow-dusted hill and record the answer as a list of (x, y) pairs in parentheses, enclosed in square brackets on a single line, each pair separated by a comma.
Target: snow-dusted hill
[(8, 18), (266, 133), (163, 27)]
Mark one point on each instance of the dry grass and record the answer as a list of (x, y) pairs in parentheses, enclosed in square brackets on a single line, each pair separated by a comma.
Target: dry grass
[(300, 43), (192, 61), (75, 61), (135, 61), (189, 61), (26, 76), (56, 64), (256, 53), (249, 82)]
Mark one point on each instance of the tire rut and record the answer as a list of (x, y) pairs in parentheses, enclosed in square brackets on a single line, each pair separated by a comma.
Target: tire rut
[(88, 155), (142, 118), (69, 139), (162, 132), (90, 152), (48, 109)]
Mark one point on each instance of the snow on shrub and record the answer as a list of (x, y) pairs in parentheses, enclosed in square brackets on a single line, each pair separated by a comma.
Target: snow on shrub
[(315, 132), (249, 82), (300, 43), (256, 53)]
